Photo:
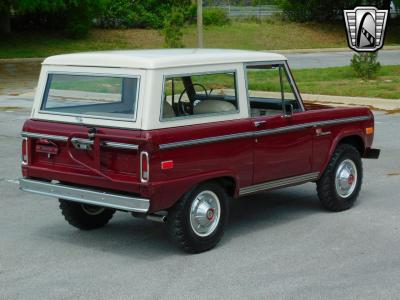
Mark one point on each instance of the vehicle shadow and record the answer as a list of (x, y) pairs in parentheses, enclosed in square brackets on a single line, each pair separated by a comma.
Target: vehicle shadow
[(143, 239), (272, 208)]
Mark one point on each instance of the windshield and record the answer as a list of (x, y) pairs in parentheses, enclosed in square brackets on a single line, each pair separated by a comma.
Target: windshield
[(89, 95)]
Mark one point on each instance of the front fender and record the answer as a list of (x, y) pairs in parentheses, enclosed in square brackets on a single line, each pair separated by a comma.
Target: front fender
[(339, 137)]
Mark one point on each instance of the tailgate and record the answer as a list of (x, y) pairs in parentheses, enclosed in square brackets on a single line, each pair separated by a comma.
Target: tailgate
[(83, 155)]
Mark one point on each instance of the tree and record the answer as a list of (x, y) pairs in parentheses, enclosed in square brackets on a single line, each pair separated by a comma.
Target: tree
[(76, 14)]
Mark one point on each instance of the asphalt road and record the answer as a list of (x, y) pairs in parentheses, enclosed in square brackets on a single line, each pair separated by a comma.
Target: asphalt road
[(279, 245), (336, 59)]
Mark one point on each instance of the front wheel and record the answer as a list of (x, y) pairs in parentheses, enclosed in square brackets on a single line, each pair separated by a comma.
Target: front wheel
[(84, 216), (196, 223), (339, 186)]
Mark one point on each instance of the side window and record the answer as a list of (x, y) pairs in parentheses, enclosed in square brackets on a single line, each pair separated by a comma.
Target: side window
[(199, 94), (269, 89)]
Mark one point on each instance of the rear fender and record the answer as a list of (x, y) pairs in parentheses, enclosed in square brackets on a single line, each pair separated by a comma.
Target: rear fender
[(165, 194)]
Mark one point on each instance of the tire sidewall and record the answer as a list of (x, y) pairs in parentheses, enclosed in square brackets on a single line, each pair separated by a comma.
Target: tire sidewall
[(354, 156), (198, 243)]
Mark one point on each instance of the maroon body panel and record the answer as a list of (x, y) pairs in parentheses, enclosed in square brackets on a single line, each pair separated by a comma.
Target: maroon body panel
[(246, 157)]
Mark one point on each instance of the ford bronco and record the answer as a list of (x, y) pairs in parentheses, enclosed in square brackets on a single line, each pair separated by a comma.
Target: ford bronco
[(175, 135)]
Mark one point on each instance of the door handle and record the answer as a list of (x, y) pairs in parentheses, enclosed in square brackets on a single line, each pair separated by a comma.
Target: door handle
[(259, 123)]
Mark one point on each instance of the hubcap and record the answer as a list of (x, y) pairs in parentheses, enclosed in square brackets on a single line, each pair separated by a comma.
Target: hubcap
[(346, 178), (205, 213), (92, 209)]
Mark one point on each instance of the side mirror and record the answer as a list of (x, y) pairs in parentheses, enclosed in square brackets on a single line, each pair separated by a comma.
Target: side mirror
[(288, 111)]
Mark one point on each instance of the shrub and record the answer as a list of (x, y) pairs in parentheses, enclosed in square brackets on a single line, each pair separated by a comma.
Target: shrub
[(172, 30), (215, 16), (365, 64), (142, 14)]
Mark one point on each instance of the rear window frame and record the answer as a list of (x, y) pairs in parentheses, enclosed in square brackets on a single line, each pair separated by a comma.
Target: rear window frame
[(94, 117)]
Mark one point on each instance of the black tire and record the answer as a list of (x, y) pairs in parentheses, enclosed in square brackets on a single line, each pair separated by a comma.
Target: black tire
[(179, 219), (328, 193), (85, 217)]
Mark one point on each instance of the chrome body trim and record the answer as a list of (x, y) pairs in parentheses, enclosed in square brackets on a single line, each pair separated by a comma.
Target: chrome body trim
[(60, 138), (85, 196), (44, 136), (116, 145), (207, 140), (259, 133), (278, 183)]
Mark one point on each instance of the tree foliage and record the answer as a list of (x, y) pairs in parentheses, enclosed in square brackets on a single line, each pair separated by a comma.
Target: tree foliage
[(73, 16), (143, 13)]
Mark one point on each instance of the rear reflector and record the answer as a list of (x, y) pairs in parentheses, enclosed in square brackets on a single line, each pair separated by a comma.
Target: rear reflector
[(369, 130), (144, 167), (168, 164), (24, 155)]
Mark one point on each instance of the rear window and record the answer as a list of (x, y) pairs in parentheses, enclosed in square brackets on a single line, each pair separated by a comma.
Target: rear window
[(88, 95), (195, 95)]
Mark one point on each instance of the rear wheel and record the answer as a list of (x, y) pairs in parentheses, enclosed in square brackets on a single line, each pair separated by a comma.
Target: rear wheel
[(196, 223), (339, 186), (84, 216)]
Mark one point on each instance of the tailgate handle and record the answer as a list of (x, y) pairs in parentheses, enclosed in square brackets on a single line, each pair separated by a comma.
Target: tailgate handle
[(82, 144)]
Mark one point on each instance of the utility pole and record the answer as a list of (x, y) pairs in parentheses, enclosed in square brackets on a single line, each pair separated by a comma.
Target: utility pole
[(199, 23)]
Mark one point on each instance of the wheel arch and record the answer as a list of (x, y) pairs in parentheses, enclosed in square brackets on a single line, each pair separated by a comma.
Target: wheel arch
[(352, 138), (166, 194)]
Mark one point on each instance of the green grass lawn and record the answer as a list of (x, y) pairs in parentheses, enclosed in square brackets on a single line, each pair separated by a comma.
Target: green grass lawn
[(270, 34), (341, 81)]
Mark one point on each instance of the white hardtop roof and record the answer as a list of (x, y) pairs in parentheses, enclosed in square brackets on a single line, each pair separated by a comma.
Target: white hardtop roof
[(160, 58)]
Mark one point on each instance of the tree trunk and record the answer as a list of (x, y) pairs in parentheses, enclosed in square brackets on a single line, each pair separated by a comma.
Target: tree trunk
[(5, 21)]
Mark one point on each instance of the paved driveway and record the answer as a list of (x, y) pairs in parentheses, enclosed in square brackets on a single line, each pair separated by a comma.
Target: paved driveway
[(279, 245)]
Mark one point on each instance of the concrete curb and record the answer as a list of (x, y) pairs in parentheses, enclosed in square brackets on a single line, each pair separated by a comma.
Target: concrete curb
[(373, 103)]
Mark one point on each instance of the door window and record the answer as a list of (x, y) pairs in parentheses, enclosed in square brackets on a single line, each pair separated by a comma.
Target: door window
[(269, 90)]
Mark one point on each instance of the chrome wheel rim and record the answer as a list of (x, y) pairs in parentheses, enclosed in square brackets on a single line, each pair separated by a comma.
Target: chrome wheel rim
[(92, 209), (205, 213), (346, 178)]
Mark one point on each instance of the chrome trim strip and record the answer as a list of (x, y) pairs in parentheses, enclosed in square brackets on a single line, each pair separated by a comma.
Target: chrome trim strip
[(248, 134), (85, 196), (207, 140), (44, 136), (82, 141), (116, 145), (60, 138), (278, 183)]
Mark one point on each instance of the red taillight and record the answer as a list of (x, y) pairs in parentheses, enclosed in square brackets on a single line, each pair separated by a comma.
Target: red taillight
[(168, 164), (24, 156), (144, 167)]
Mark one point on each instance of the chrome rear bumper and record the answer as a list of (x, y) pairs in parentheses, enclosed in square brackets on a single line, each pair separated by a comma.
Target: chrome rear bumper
[(85, 196)]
